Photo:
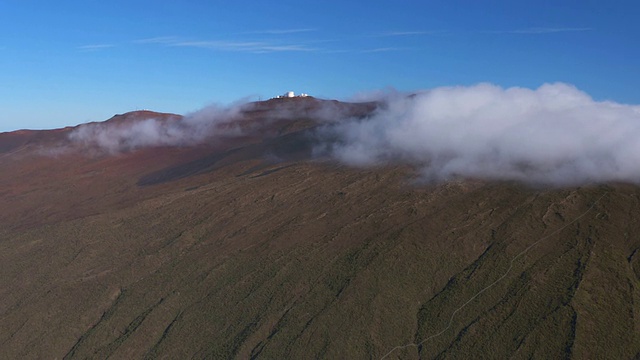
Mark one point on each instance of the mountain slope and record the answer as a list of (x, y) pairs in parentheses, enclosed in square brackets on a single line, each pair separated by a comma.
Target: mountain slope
[(219, 251)]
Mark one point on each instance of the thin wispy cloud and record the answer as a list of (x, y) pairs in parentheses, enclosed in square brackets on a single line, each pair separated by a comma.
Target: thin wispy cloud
[(158, 40), (408, 33), (258, 47), (218, 45), (382, 49), (539, 30), (95, 47), (363, 51), (280, 31), (261, 45), (244, 46), (274, 48), (336, 51)]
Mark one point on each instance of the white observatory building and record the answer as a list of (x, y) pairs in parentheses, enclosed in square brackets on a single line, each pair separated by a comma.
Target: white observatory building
[(290, 94)]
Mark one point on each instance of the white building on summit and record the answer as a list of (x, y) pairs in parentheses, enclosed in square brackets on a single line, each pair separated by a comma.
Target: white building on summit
[(290, 94)]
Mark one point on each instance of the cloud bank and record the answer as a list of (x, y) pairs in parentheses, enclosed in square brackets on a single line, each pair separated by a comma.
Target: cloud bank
[(555, 134), (130, 134), (137, 130)]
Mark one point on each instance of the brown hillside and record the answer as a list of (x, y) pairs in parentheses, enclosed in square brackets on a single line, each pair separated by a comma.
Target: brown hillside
[(247, 247)]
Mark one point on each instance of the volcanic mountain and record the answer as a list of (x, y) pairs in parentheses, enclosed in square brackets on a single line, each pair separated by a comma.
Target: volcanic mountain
[(237, 238)]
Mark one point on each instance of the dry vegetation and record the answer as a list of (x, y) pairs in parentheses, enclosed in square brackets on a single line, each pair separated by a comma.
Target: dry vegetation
[(303, 259)]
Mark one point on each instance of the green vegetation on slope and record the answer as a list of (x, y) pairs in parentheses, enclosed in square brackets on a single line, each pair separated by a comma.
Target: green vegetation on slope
[(317, 261)]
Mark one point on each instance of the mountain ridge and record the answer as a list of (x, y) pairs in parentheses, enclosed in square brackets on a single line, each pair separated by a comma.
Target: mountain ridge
[(252, 246)]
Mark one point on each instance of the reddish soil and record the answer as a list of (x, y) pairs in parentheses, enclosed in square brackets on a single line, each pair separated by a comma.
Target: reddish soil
[(248, 247)]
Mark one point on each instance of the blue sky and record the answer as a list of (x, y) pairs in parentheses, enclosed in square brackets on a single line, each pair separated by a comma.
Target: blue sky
[(69, 62)]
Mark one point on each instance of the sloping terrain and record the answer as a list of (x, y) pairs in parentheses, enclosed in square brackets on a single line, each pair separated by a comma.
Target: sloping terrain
[(250, 248)]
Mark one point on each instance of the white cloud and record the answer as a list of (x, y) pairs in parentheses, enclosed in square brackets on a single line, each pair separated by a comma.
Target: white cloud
[(382, 49), (245, 46), (409, 33), (115, 137), (555, 134), (158, 40), (280, 31), (552, 135), (229, 45), (540, 30), (95, 47)]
